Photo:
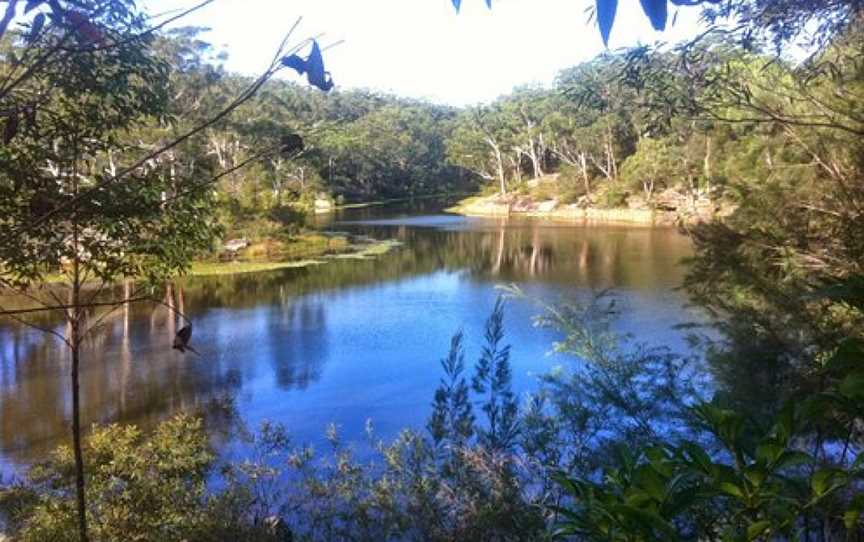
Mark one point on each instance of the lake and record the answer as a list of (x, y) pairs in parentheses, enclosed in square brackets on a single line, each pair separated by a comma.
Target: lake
[(342, 342)]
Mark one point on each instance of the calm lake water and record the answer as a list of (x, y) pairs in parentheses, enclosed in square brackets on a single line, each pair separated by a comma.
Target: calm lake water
[(343, 342)]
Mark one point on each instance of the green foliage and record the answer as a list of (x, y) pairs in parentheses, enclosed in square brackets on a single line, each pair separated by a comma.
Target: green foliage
[(682, 492), (647, 169), (452, 421), (84, 116), (141, 487), (759, 482), (614, 196), (492, 381)]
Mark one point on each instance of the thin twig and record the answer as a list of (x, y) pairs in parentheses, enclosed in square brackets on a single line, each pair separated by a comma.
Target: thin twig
[(24, 322), (51, 308)]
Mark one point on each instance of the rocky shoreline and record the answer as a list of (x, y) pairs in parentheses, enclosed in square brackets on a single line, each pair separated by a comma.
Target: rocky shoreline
[(669, 208)]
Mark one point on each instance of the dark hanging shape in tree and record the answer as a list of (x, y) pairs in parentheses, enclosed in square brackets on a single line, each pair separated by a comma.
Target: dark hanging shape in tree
[(181, 340), (606, 10), (295, 63), (313, 67), (290, 144), (7, 16), (41, 204), (36, 28), (87, 32), (11, 129), (489, 4), (657, 11)]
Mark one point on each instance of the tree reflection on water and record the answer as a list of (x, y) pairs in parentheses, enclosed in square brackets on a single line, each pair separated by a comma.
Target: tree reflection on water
[(257, 332)]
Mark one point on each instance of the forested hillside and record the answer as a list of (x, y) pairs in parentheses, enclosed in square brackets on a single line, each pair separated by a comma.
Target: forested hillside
[(689, 131), (358, 146)]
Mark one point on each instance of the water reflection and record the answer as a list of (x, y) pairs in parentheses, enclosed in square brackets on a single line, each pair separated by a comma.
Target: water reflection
[(343, 341)]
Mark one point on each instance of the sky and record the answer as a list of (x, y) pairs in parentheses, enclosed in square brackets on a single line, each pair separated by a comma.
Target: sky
[(423, 48)]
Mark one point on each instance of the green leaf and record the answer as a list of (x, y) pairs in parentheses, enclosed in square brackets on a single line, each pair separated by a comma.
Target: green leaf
[(768, 452), (823, 481), (755, 474), (792, 458), (849, 355), (851, 517), (853, 513), (652, 521), (784, 428), (732, 490), (697, 456), (658, 460), (819, 481), (853, 386), (649, 479), (755, 530)]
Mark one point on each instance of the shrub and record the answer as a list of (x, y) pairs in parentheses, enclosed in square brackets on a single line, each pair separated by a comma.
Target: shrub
[(139, 488), (289, 217), (614, 196), (571, 194), (545, 191)]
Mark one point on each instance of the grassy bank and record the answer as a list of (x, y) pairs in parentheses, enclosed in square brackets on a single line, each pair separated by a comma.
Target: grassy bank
[(203, 269), (271, 255), (303, 251)]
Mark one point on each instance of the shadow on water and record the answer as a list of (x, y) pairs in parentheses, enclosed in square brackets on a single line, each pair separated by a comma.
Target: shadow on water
[(338, 342)]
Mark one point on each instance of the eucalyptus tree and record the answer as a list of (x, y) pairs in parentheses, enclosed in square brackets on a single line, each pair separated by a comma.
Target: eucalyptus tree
[(525, 110), (481, 142)]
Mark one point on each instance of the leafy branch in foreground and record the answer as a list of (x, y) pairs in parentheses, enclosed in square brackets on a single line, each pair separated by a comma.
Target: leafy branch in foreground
[(800, 476), (70, 138)]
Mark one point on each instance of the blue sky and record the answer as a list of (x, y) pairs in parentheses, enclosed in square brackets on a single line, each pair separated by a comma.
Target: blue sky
[(423, 48)]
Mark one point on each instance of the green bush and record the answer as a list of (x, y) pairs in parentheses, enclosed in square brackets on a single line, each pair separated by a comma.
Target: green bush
[(289, 217), (149, 488), (545, 191), (615, 196), (571, 194)]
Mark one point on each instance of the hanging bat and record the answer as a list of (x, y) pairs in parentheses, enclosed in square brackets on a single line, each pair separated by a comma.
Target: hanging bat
[(313, 67), (181, 340), (290, 144)]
